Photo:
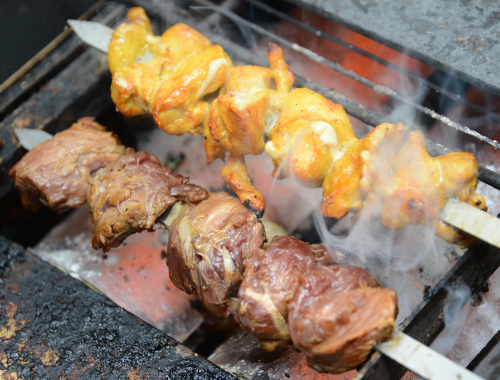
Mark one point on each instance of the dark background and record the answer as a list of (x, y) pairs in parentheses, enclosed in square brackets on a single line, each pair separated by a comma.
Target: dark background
[(27, 26)]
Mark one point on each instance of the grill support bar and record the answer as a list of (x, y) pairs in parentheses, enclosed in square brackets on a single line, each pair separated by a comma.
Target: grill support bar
[(381, 90), (427, 320), (423, 81)]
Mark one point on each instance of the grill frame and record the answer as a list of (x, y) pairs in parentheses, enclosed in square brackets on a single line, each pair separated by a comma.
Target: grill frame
[(424, 324), (405, 38)]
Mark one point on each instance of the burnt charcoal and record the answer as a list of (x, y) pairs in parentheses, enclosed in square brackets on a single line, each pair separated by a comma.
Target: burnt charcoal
[(62, 328), (10, 253), (478, 298), (428, 292)]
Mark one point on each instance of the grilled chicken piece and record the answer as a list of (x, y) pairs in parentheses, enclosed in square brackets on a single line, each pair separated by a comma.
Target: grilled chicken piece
[(131, 193), (365, 164), (338, 314), (213, 148), (421, 185), (307, 132), (238, 118), (242, 116), (310, 137), (164, 75), (270, 280), (236, 176), (57, 172), (249, 104), (311, 133), (401, 183), (207, 246)]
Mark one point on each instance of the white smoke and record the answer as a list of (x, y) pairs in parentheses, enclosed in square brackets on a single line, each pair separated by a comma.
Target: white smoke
[(455, 316)]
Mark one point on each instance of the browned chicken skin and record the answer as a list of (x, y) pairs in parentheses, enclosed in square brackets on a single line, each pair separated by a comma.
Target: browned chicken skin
[(365, 161), (236, 176), (420, 186), (236, 119), (131, 193), (207, 246), (241, 117), (57, 172), (164, 75)]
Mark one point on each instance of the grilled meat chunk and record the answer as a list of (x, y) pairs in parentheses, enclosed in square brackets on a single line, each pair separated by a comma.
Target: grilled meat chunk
[(164, 75), (421, 185), (238, 118), (363, 167), (310, 134), (131, 193), (57, 172), (207, 246), (337, 316), (269, 284), (242, 116)]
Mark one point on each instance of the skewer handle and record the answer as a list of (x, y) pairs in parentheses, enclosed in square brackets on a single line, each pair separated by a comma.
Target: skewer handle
[(423, 360), (92, 33), (473, 221)]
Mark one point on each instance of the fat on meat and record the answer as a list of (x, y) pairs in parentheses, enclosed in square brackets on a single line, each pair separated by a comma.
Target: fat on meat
[(208, 244), (270, 280)]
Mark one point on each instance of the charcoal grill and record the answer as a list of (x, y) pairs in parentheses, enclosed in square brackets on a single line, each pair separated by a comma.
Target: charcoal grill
[(68, 80)]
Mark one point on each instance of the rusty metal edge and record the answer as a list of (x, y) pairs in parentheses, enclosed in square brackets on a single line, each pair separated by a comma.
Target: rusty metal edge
[(49, 48)]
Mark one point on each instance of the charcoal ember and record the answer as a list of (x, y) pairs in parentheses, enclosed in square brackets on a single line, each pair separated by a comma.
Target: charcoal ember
[(207, 246), (57, 172), (270, 280), (337, 316), (131, 193)]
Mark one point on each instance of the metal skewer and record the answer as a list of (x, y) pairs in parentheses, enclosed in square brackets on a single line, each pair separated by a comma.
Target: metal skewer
[(423, 360)]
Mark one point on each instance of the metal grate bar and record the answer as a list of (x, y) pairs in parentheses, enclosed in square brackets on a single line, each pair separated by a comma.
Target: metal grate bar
[(427, 320), (425, 82), (382, 90)]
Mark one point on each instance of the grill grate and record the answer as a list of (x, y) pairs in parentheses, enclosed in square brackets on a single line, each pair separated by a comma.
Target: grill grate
[(455, 37), (382, 90), (422, 81)]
